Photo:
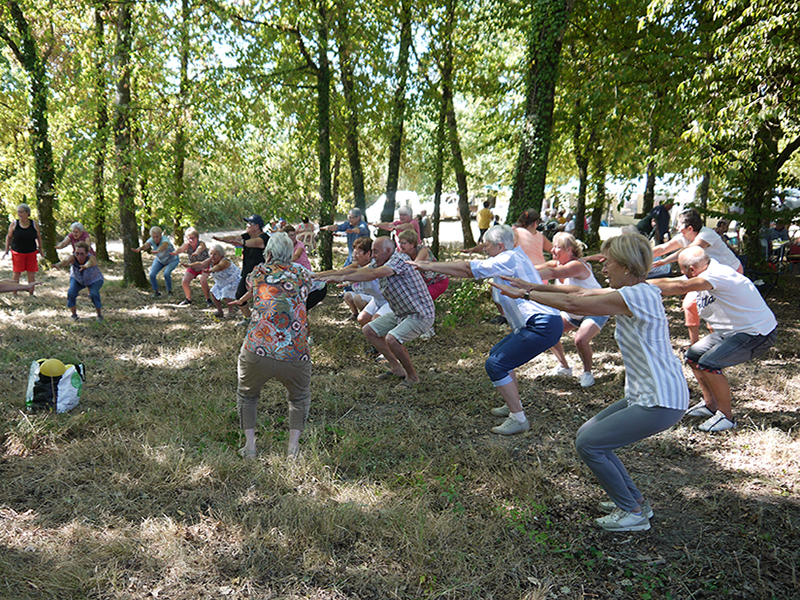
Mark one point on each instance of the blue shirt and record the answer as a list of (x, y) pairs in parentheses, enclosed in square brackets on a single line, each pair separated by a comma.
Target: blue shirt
[(363, 231)]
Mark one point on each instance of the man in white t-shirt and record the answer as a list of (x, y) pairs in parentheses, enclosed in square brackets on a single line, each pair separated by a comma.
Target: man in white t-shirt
[(743, 328), (692, 233)]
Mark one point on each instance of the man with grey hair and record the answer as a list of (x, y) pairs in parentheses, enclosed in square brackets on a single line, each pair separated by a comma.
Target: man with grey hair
[(536, 327), (412, 307), (743, 328), (354, 228)]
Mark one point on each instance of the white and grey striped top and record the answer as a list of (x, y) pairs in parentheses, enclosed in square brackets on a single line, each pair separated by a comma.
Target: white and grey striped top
[(653, 374)]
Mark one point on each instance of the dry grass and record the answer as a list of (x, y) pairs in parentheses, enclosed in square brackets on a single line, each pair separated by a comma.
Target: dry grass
[(139, 492)]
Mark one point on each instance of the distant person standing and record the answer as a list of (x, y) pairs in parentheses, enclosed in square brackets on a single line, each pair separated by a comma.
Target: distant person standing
[(354, 228), (161, 249), (485, 217), (25, 242), (252, 242)]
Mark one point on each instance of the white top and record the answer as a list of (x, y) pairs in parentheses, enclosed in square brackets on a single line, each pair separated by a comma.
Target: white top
[(589, 283), (717, 248), (512, 263), (370, 288), (653, 374), (734, 304)]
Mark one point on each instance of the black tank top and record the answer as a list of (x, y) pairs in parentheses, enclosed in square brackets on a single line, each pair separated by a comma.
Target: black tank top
[(24, 240)]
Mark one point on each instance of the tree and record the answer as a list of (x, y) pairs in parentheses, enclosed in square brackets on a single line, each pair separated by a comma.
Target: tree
[(545, 37), (27, 52), (101, 132), (133, 272)]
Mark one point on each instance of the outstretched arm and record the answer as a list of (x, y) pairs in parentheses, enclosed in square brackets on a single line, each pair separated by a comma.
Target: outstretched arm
[(599, 303), (457, 268)]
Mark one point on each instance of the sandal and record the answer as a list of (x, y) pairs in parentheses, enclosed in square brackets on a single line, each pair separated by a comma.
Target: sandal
[(389, 375), (406, 385), (248, 454)]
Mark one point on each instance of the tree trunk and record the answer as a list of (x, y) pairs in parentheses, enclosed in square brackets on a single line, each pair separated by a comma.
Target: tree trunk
[(545, 38), (702, 192), (599, 208), (28, 56), (101, 139), (398, 114), (582, 162), (350, 110), (324, 143), (179, 183), (452, 128), (438, 174), (648, 200), (133, 272)]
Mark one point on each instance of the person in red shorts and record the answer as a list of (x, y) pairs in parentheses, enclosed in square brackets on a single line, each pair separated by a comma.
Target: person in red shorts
[(25, 243)]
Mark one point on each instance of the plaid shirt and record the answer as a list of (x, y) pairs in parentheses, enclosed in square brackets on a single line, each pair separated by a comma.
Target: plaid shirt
[(406, 292)]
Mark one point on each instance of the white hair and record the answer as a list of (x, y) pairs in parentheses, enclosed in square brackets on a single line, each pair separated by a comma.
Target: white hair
[(498, 234)]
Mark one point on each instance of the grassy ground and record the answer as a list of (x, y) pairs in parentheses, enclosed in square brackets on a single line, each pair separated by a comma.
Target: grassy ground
[(139, 492)]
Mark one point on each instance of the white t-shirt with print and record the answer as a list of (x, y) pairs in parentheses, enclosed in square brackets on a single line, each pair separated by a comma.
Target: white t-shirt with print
[(734, 303)]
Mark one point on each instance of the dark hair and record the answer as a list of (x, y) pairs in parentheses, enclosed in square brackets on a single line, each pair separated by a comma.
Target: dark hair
[(691, 218), (305, 219), (486, 204), (528, 217)]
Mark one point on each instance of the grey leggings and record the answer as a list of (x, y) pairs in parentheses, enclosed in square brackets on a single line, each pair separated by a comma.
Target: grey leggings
[(614, 427)]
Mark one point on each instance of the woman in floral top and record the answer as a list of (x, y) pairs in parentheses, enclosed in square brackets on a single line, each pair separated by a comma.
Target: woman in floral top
[(276, 343)]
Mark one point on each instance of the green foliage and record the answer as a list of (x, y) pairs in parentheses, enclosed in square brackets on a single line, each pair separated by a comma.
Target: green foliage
[(465, 304)]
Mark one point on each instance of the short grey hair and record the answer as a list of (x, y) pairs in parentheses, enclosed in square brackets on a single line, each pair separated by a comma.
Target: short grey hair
[(279, 248), (405, 210), (25, 207), (76, 225), (498, 234), (155, 230), (218, 249), (354, 212), (693, 256)]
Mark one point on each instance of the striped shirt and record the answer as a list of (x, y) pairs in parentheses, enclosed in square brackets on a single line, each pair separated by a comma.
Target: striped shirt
[(653, 374)]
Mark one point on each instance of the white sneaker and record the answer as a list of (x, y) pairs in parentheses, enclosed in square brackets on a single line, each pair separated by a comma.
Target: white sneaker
[(587, 379), (428, 334), (622, 520), (560, 371), (609, 507), (719, 422), (511, 426), (501, 411), (699, 410)]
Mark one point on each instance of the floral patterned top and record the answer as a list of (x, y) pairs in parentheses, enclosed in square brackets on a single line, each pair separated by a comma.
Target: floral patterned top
[(278, 327)]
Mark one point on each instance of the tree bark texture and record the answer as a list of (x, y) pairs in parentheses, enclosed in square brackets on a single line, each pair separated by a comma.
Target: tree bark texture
[(324, 135), (101, 134), (545, 39), (133, 272)]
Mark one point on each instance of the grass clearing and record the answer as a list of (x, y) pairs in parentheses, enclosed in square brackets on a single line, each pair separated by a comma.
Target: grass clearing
[(139, 492)]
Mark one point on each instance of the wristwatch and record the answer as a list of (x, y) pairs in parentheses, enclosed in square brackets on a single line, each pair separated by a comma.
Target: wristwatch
[(526, 296)]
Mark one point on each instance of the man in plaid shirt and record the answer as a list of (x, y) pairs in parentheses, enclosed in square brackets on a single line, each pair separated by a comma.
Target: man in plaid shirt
[(412, 307)]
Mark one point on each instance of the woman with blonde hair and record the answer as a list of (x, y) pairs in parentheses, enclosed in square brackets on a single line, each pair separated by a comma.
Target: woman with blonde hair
[(569, 268), (656, 394)]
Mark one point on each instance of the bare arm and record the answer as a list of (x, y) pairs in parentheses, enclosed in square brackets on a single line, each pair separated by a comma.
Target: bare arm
[(573, 269), (362, 274), (678, 286), (145, 246), (457, 268), (9, 236), (233, 240), (666, 247), (600, 303), (63, 243)]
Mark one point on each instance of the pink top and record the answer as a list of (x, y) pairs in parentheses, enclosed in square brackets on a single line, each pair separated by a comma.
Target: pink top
[(415, 223), (83, 237), (303, 258), (532, 245)]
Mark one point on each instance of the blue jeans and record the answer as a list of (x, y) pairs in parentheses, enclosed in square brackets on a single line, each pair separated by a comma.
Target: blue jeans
[(75, 288), (168, 268), (541, 333)]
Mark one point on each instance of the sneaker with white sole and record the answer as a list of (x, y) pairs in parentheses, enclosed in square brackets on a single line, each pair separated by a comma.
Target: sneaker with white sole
[(609, 507), (428, 334), (622, 520), (587, 379), (501, 411), (511, 426), (560, 371), (699, 410), (719, 422)]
